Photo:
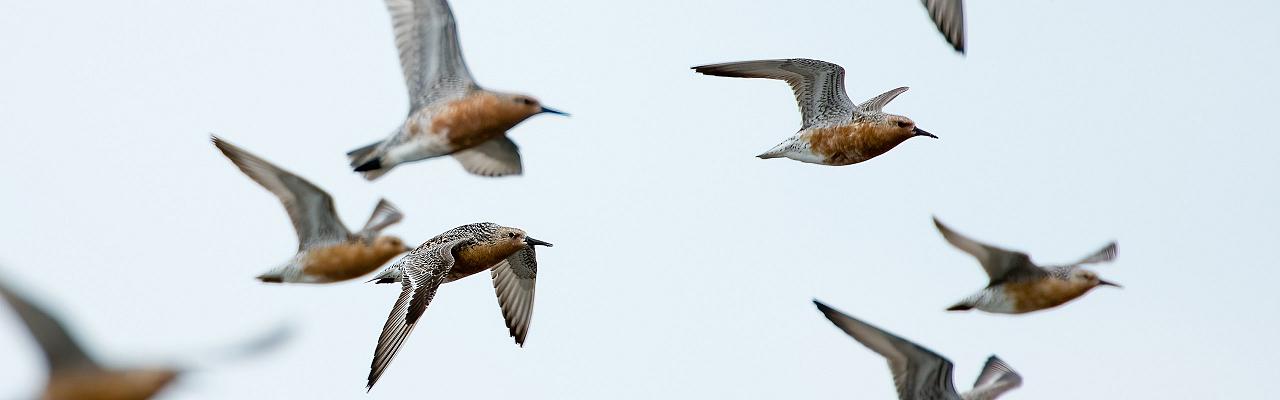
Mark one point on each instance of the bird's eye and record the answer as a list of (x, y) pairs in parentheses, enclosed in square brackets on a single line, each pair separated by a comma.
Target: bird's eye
[(511, 235), (526, 101), (903, 124)]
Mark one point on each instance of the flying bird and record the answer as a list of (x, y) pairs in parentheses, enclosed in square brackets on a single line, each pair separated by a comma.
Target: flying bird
[(449, 114), (327, 251), (835, 131), (73, 375), (921, 374), (508, 253), (948, 15), (1019, 286)]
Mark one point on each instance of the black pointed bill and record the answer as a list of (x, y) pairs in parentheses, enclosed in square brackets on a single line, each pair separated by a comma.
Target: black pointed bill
[(1105, 283), (535, 242), (550, 110), (922, 132)]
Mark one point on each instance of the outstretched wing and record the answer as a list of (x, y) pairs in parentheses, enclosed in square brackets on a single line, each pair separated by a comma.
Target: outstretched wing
[(997, 262), (818, 85), (916, 370), (430, 55), (310, 208), (1106, 254), (384, 214), (424, 269), (948, 15), (60, 350), (996, 379), (877, 103), (496, 157), (514, 280)]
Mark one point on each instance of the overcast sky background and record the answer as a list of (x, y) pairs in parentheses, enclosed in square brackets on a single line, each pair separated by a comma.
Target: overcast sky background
[(683, 267)]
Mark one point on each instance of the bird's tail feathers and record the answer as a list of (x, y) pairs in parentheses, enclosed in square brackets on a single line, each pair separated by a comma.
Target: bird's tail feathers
[(389, 275), (368, 161), (777, 151), (962, 306), (271, 277)]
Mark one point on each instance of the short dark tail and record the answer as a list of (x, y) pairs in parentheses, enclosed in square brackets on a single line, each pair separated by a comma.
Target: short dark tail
[(366, 161), (267, 278), (375, 163), (960, 307)]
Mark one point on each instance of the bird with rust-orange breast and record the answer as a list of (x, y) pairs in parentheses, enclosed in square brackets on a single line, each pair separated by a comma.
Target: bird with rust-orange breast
[(73, 375), (508, 254), (327, 251), (1019, 286), (835, 131), (449, 114)]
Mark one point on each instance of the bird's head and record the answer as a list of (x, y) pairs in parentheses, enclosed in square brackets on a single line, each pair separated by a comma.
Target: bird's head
[(904, 127), (527, 106), (1089, 279)]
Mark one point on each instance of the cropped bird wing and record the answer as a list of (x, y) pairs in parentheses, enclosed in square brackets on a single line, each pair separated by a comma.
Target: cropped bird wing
[(497, 157), (60, 350), (818, 85), (384, 214), (948, 15), (514, 280), (916, 370), (1106, 254), (430, 55), (877, 103), (999, 263), (424, 270), (996, 379), (310, 208)]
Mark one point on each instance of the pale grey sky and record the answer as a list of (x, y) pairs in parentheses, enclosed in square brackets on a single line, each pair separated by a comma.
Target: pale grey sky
[(683, 266)]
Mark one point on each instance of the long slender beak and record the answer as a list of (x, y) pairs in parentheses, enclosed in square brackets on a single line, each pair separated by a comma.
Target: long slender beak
[(550, 110), (921, 132), (535, 242), (1105, 283)]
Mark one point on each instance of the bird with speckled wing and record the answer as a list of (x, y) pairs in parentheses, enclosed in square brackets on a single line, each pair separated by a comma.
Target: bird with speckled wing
[(919, 373), (1019, 286), (835, 131), (327, 251), (449, 114), (73, 375), (508, 254), (948, 16)]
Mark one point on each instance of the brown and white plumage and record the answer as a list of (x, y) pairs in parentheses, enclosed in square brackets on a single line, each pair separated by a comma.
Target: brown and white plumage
[(449, 114), (72, 374), (1017, 285), (919, 373), (455, 254), (948, 16), (833, 130), (327, 251), (996, 379)]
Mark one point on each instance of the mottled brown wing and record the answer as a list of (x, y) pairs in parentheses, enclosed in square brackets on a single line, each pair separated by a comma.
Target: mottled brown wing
[(996, 379), (496, 157), (999, 263), (60, 350), (430, 55), (384, 214), (309, 207), (948, 15), (423, 269), (514, 280), (916, 370), (818, 85), (1105, 254)]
